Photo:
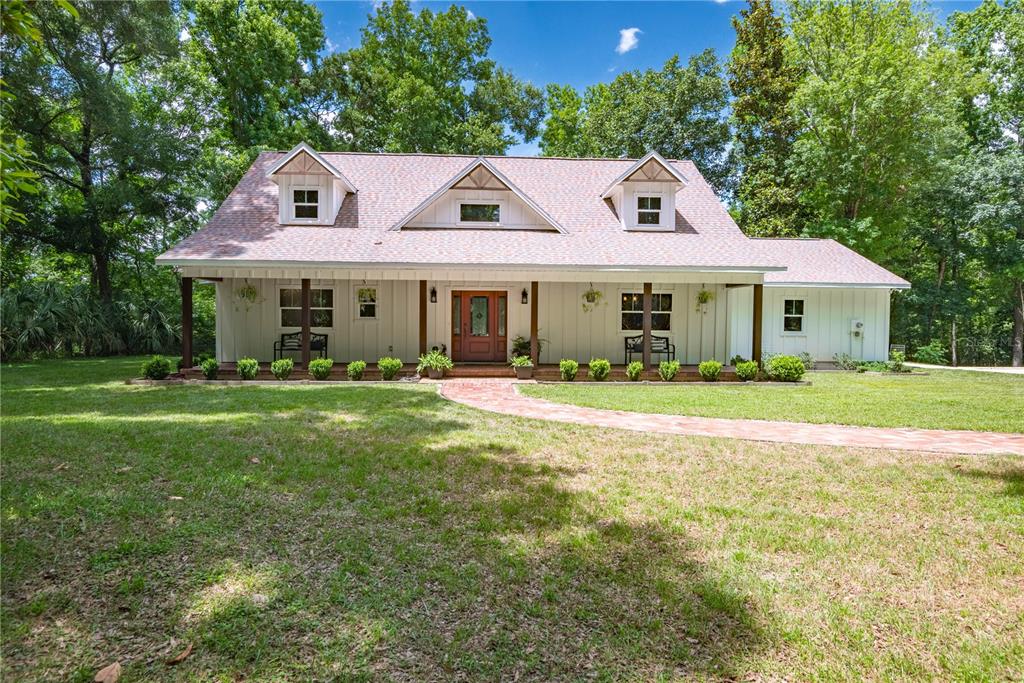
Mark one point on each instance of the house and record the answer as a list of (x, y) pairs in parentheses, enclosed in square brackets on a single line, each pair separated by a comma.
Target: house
[(393, 254)]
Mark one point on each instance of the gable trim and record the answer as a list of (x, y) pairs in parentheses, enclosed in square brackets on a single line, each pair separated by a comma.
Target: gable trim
[(327, 166), (460, 176), (650, 156)]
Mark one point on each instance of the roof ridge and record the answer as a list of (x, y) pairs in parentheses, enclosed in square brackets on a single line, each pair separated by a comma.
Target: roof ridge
[(473, 156)]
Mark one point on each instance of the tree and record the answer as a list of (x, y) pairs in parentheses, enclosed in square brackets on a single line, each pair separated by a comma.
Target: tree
[(563, 130), (422, 82), (762, 82), (877, 111)]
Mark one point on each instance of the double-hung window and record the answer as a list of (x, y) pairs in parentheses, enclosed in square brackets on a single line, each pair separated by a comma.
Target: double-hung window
[(321, 307), (306, 204), (366, 303), (793, 315), (648, 209), (632, 312)]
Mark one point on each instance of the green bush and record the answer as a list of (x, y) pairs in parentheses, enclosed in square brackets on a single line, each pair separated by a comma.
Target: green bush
[(845, 361), (355, 370), (568, 369), (599, 369), (710, 370), (896, 361), (209, 368), (784, 368), (634, 370), (807, 359), (282, 368), (521, 362), (435, 360), (389, 367), (932, 354), (668, 369), (197, 361), (320, 368), (746, 370), (247, 368), (156, 367)]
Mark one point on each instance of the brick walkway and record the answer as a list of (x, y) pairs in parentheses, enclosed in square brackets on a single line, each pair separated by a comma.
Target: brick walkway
[(501, 396)]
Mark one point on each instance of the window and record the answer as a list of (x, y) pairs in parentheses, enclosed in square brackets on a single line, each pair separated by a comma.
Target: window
[(306, 203), (479, 213), (366, 303), (648, 210), (793, 315), (321, 307), (633, 312)]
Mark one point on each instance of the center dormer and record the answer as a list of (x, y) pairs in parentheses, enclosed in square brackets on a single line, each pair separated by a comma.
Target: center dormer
[(311, 191), (644, 196)]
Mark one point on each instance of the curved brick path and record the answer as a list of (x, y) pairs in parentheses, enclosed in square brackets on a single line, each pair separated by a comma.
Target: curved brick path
[(501, 396)]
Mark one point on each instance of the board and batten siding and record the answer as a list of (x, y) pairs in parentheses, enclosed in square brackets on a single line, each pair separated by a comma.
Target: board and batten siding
[(444, 212)]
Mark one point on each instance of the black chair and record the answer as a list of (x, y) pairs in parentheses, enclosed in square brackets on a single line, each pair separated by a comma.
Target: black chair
[(660, 346), (292, 341)]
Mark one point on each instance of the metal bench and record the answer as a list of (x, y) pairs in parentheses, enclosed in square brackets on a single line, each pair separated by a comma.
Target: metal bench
[(292, 341), (660, 346)]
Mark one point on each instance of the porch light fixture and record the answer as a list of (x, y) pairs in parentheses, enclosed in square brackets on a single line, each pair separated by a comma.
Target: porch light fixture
[(433, 295), (526, 296)]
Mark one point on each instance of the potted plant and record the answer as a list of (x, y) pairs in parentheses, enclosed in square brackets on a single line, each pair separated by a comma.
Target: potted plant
[(435, 363), (704, 297), (523, 366), (592, 299)]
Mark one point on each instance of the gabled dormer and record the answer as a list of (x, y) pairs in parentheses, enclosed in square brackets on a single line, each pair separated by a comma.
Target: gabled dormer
[(310, 190), (479, 197), (644, 196)]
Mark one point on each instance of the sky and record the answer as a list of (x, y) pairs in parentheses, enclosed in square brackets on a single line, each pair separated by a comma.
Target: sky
[(581, 43)]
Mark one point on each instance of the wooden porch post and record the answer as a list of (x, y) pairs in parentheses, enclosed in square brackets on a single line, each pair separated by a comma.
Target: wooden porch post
[(648, 295), (305, 321), (755, 346), (186, 322), (423, 317), (534, 328)]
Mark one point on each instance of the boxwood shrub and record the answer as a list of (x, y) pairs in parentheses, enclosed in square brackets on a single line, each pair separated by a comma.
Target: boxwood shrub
[(784, 368), (634, 370), (156, 367), (320, 368), (210, 367), (746, 370), (355, 369), (247, 368), (668, 369), (710, 370), (389, 367), (568, 369), (599, 368), (282, 368)]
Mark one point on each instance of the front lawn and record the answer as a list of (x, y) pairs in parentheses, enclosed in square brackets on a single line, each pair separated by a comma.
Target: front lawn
[(940, 400), (338, 532)]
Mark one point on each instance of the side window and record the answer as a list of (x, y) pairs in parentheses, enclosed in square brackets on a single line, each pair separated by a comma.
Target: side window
[(793, 315), (632, 312), (306, 203), (366, 303), (648, 210), (321, 307)]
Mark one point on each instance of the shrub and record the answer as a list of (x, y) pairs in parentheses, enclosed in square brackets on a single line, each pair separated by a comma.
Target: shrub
[(197, 361), (845, 361), (355, 370), (736, 360), (634, 370), (320, 368), (209, 368), (933, 354), (872, 366), (435, 360), (389, 367), (282, 368), (668, 369), (521, 345), (746, 370), (568, 369), (784, 368), (156, 367), (247, 368), (807, 359), (599, 369), (896, 360), (710, 370), (521, 362)]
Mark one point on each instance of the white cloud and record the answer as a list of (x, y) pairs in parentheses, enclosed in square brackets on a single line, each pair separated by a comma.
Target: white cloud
[(628, 40)]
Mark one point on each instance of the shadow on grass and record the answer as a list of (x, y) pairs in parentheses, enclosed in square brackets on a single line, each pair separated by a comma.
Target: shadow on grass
[(336, 533), (1012, 477)]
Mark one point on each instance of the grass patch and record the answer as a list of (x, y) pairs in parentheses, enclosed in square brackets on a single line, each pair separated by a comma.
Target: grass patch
[(940, 400), (365, 532)]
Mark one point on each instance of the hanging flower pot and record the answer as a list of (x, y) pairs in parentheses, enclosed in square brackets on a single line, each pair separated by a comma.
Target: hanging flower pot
[(591, 299), (704, 297)]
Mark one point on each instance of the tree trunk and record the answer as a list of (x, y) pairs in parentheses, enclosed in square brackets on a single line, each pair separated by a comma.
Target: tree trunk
[(101, 276), (1017, 355), (952, 344)]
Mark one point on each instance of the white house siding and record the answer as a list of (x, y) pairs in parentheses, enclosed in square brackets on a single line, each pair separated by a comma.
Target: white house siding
[(741, 321), (515, 213)]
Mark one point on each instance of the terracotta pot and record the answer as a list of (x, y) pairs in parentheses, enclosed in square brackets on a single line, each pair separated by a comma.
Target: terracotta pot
[(435, 373), (524, 373)]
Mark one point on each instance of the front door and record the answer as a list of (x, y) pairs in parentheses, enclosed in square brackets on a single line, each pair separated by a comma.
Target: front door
[(479, 326)]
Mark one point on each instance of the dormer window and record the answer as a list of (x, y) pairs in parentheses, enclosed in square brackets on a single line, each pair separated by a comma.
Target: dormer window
[(479, 213), (648, 210), (306, 204)]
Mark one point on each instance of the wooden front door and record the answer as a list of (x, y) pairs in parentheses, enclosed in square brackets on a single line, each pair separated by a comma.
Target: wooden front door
[(479, 326)]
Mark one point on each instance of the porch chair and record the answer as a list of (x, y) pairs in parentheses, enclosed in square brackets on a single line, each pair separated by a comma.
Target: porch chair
[(660, 346), (292, 341)]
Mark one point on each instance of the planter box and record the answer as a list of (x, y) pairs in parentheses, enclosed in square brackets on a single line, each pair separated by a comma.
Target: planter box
[(524, 373), (433, 373)]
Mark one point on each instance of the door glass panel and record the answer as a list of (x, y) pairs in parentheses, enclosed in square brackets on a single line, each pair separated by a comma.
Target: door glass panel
[(502, 307), (478, 311), (456, 315)]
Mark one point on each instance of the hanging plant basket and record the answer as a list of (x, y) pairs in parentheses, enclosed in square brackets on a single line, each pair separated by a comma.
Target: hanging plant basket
[(592, 299), (248, 295), (704, 297)]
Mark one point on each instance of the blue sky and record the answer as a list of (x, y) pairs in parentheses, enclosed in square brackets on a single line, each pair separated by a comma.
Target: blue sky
[(580, 43)]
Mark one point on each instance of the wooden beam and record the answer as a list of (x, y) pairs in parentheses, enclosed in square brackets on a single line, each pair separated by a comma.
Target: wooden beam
[(755, 347), (186, 322), (423, 317), (305, 321), (648, 295), (534, 326)]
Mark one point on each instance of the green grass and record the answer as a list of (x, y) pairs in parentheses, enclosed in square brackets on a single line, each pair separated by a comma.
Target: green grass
[(939, 400), (365, 532)]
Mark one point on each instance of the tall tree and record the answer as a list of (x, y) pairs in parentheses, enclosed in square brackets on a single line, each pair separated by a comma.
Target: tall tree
[(877, 110), (563, 129), (762, 82), (422, 82)]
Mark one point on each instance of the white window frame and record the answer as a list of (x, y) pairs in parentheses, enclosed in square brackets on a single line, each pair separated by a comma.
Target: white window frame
[(670, 312), (355, 301), (501, 203), (319, 194), (802, 332), (333, 309)]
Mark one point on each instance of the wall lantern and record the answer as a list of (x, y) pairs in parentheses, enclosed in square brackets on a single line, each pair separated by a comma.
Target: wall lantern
[(433, 295), (526, 297)]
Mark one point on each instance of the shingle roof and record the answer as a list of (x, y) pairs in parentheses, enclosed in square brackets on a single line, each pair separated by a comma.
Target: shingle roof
[(824, 262), (245, 229)]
